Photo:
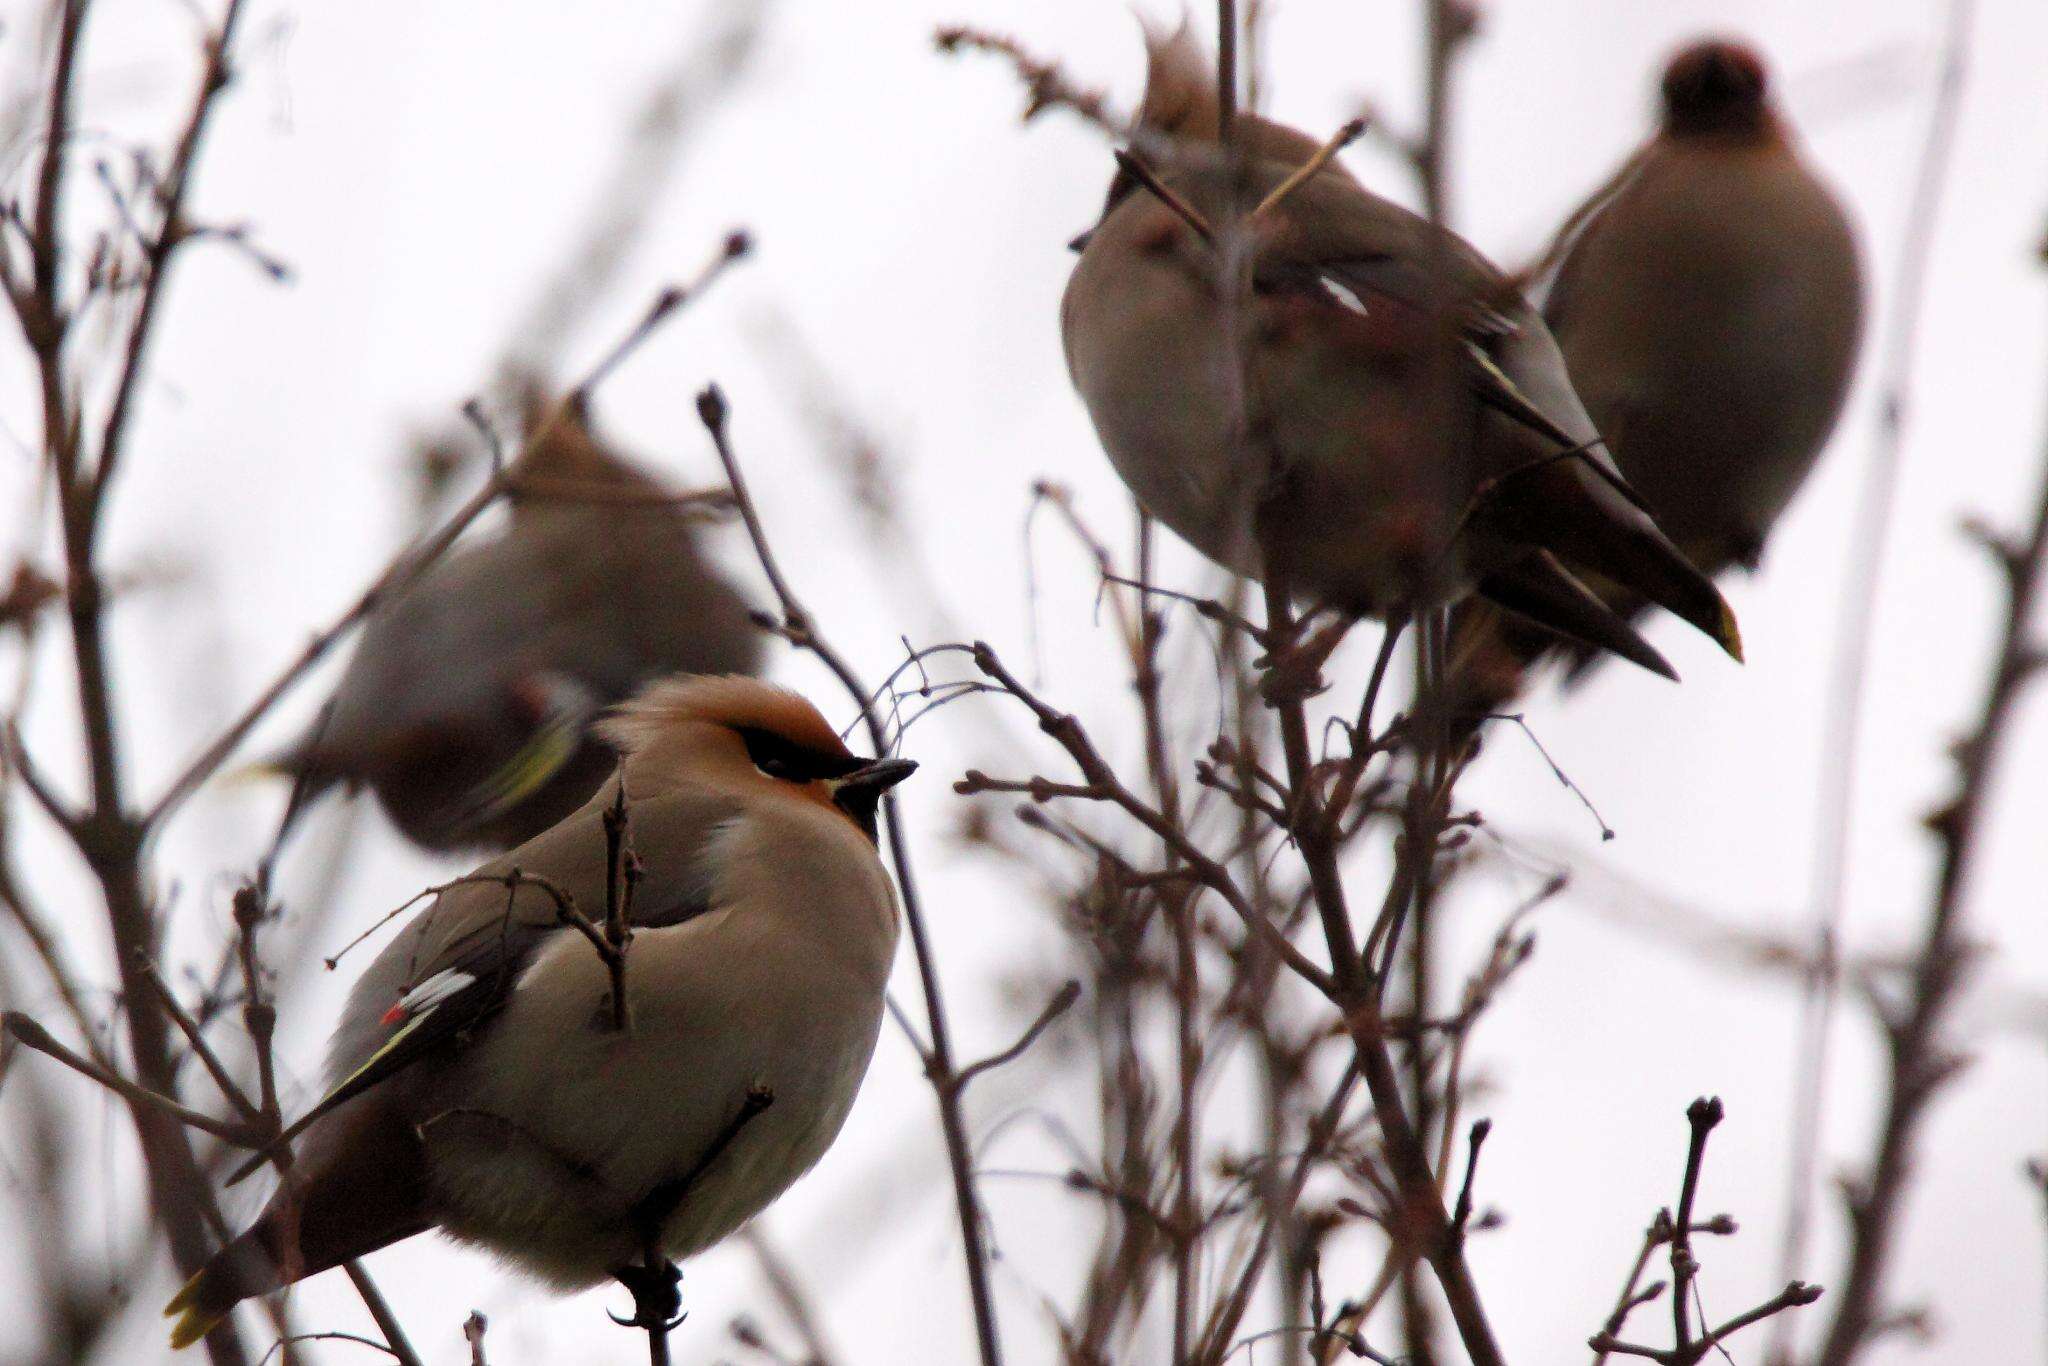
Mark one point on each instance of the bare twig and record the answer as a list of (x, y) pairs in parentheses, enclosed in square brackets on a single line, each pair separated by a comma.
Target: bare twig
[(33, 1035), (1686, 1350), (1059, 1005), (1919, 1061), (1850, 671), (621, 874), (1047, 85), (798, 627)]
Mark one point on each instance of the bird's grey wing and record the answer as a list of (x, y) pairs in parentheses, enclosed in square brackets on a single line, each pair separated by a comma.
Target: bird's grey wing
[(1364, 253), (466, 982), (456, 965), (1562, 260), (1508, 356)]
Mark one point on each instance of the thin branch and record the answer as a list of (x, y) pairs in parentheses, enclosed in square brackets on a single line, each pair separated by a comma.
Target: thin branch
[(1133, 166), (1702, 1115), (196, 1036), (1308, 170), (1850, 672), (34, 1036), (387, 1322), (172, 232), (1104, 785), (1920, 1061), (797, 626), (1047, 85), (1059, 1005)]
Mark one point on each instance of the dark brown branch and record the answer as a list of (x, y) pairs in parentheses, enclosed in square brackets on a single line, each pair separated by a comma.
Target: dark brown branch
[(1702, 1115), (1686, 1350), (1132, 165), (196, 1037), (621, 875), (1104, 785)]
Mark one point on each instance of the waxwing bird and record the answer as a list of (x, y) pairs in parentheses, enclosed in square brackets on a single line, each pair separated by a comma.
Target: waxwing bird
[(1709, 307), (1298, 376), (478, 1083), (469, 706)]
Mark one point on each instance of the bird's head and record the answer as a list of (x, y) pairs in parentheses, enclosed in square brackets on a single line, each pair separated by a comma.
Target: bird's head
[(1180, 112), (562, 462), (1716, 87), (752, 739)]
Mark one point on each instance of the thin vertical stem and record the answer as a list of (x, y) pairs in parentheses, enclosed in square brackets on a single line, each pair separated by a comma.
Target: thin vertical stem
[(800, 628), (1843, 719)]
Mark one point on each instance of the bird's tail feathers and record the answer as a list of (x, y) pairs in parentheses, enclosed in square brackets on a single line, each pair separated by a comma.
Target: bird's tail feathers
[(1541, 589), (1642, 559), (241, 1269)]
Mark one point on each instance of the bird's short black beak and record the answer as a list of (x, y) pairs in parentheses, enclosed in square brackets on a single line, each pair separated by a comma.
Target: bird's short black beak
[(878, 777), (1080, 243), (859, 793)]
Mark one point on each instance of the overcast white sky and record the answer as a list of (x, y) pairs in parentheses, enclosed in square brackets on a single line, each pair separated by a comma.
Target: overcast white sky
[(421, 166)]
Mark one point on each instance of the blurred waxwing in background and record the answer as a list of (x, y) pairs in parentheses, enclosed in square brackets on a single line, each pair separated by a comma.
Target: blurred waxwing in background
[(1379, 415), (469, 705), (477, 1081), (1709, 306)]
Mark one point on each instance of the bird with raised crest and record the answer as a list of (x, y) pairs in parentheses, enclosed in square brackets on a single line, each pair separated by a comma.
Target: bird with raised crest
[(482, 1082), (1301, 378)]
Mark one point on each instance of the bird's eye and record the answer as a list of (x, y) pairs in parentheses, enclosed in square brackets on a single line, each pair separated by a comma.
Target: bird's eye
[(782, 758)]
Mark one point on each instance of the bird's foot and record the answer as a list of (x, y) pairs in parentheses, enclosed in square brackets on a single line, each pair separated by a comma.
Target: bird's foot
[(657, 1296), (1294, 673)]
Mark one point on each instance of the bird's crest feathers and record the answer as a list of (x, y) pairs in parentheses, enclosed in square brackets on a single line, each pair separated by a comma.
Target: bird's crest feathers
[(561, 449), (720, 700), (1180, 99), (1180, 82)]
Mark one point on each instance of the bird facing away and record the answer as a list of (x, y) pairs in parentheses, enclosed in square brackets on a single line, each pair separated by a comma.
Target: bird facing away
[(469, 706), (1709, 308), (1375, 412), (477, 1081)]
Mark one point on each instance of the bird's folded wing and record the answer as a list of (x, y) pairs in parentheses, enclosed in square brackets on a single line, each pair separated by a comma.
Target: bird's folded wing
[(468, 949)]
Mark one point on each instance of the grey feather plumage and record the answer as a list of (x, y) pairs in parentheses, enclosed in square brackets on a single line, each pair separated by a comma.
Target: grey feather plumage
[(592, 588)]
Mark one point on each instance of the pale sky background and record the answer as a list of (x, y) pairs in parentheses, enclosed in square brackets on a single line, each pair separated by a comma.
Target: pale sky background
[(423, 166)]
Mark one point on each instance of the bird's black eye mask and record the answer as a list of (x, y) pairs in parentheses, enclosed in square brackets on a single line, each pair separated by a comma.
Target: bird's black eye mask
[(778, 756)]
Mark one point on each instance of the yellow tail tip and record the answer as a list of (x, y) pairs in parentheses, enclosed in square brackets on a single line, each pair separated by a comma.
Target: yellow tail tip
[(187, 1293), (192, 1323), (191, 1328), (1731, 633), (256, 771)]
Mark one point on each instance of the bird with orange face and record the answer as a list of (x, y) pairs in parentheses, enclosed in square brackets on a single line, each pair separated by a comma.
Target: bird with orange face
[(1709, 308), (478, 1083), (470, 706), (1299, 377)]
